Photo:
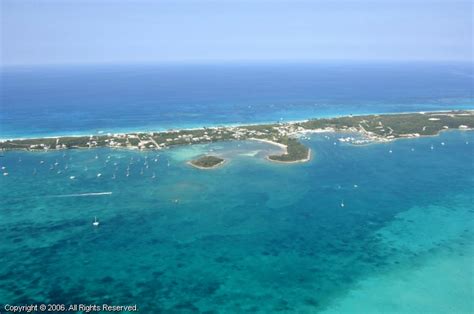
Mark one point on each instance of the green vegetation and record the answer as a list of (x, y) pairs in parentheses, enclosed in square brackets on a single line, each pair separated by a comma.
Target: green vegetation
[(207, 162), (295, 151), (397, 125), (373, 128)]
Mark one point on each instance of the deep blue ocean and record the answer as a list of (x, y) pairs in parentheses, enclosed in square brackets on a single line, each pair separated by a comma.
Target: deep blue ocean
[(251, 236), (58, 100)]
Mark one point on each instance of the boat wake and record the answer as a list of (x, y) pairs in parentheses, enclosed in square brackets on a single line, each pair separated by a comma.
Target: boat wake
[(83, 194)]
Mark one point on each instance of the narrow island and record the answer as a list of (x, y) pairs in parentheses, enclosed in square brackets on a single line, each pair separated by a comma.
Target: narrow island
[(207, 162), (371, 128)]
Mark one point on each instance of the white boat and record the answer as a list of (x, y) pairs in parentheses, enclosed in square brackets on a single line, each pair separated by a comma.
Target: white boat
[(342, 204), (95, 223)]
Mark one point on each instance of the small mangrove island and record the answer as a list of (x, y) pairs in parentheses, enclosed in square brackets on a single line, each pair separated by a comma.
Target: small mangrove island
[(371, 128), (207, 162)]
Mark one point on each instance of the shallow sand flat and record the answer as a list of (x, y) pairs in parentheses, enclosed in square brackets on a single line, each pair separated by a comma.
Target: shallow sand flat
[(226, 150), (187, 152), (252, 153), (444, 284), (421, 229), (439, 280)]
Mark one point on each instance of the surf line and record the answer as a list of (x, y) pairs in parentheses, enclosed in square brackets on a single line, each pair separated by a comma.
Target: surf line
[(83, 194)]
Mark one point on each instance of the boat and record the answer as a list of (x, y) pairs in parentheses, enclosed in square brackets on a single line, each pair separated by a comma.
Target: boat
[(95, 223)]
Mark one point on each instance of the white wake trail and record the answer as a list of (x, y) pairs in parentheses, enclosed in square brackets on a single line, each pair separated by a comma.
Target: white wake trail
[(83, 194)]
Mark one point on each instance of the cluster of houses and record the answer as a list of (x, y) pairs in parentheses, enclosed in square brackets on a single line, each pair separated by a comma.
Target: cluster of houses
[(210, 134), (40, 146)]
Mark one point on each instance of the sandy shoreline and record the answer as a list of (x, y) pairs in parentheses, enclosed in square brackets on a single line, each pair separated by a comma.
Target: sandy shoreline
[(230, 125), (285, 151), (282, 146)]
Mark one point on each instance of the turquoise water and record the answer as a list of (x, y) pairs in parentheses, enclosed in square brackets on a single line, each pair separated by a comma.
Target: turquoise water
[(251, 236), (37, 101)]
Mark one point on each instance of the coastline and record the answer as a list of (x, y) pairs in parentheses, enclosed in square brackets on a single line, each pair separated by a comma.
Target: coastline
[(411, 138), (227, 125), (372, 128), (284, 152), (308, 158), (282, 146), (206, 168)]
